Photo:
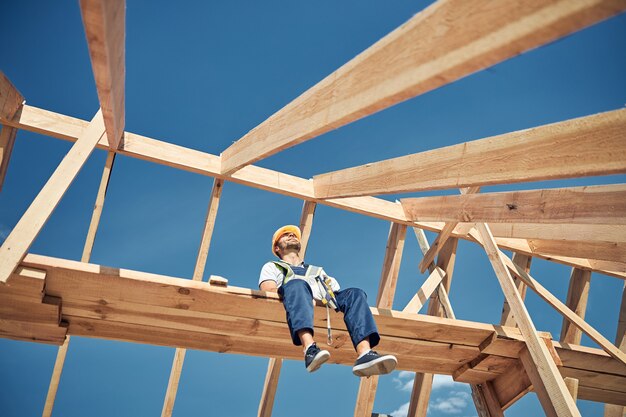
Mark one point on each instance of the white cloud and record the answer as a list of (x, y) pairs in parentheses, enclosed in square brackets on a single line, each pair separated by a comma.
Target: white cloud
[(454, 403), (444, 381), (402, 411), (404, 381)]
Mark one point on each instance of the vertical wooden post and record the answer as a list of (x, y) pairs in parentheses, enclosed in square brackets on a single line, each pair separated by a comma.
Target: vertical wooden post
[(422, 385), (198, 273), (10, 102), (89, 241), (577, 295), (611, 410), (524, 262), (270, 386), (386, 292), (537, 360)]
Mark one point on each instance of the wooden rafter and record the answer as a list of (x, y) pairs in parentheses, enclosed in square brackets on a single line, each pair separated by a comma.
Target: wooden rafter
[(141, 147), (105, 27), (414, 59), (198, 273), (24, 233), (612, 410), (577, 295), (547, 152), (524, 262), (604, 205), (542, 363), (274, 365)]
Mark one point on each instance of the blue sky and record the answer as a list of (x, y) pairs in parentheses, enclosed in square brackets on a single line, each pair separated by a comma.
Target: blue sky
[(201, 75)]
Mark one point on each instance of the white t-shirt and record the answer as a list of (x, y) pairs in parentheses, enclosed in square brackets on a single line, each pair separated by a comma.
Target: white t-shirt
[(271, 272)]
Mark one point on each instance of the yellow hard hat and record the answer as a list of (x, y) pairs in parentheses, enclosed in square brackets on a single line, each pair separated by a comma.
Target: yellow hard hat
[(283, 230)]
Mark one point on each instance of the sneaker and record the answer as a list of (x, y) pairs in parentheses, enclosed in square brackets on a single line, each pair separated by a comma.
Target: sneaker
[(374, 364), (315, 357)]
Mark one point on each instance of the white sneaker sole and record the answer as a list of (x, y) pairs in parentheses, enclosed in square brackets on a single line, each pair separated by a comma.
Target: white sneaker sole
[(381, 366), (318, 361)]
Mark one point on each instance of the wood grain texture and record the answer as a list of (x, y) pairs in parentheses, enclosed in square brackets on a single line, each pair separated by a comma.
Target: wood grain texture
[(105, 28), (574, 148), (577, 295), (414, 59), (524, 262), (141, 147), (564, 310), (28, 227), (540, 360), (10, 102), (605, 204)]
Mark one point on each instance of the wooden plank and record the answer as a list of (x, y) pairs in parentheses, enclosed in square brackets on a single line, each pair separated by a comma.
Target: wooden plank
[(577, 295), (575, 232), (137, 146), (105, 27), (384, 300), (391, 266), (611, 410), (523, 261), (198, 273), (422, 384), (55, 378), (10, 102), (607, 251), (537, 357), (495, 410), (23, 235), (269, 387), (543, 153), (572, 387), (436, 246), (274, 365), (414, 59), (604, 204), (7, 139), (564, 310), (426, 290), (511, 386), (98, 206), (10, 98)]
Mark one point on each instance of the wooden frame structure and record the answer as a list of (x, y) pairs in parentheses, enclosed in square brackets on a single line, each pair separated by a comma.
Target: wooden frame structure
[(46, 299)]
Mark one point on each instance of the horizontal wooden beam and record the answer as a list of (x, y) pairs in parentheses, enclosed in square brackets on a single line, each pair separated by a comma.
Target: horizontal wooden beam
[(568, 232), (605, 204), (137, 146), (592, 145), (140, 307), (414, 59), (105, 27)]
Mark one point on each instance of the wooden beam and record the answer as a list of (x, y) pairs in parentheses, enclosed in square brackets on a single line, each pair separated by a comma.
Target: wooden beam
[(198, 274), (10, 102), (524, 262), (537, 357), (572, 387), (384, 300), (577, 295), (567, 232), (24, 233), (436, 246), (604, 204), (543, 153), (269, 387), (603, 251), (611, 410), (10, 99), (426, 290), (274, 365), (86, 256), (563, 309), (414, 59), (105, 27), (141, 147), (422, 384)]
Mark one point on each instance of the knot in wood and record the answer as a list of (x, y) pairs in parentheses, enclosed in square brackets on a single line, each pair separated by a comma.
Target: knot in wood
[(184, 291)]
